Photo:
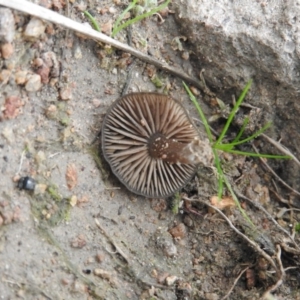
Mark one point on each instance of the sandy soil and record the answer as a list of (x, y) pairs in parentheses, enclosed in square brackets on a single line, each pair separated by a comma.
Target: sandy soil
[(81, 234)]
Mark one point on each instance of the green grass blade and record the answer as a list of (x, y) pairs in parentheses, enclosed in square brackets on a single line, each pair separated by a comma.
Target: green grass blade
[(200, 112), (220, 174), (252, 153), (234, 111), (128, 8), (253, 136), (227, 183), (92, 20), (140, 17), (245, 123)]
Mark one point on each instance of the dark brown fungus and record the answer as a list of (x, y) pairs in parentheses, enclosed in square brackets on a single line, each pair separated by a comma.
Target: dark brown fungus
[(151, 144)]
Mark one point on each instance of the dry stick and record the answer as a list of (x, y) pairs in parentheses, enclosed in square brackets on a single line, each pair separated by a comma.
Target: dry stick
[(282, 274), (279, 270), (288, 249), (234, 283), (258, 206), (278, 178), (279, 146), (118, 249), (253, 244), (53, 17)]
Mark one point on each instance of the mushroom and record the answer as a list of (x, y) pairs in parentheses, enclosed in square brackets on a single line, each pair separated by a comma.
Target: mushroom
[(151, 144)]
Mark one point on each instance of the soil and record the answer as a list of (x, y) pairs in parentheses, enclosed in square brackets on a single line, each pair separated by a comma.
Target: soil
[(80, 234)]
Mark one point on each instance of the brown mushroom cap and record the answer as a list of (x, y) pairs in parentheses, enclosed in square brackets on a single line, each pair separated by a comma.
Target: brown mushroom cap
[(146, 139)]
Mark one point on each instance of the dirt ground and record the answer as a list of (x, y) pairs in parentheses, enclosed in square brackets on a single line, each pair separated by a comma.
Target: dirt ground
[(80, 234)]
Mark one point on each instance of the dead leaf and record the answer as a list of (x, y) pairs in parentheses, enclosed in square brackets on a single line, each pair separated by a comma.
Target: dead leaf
[(178, 231), (71, 176), (223, 203)]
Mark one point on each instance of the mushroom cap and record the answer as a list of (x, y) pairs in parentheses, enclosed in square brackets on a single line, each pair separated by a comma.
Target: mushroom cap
[(143, 135)]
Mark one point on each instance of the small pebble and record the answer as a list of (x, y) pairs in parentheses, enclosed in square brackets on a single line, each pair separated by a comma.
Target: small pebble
[(96, 102), (4, 76), (77, 53), (12, 107), (20, 77), (34, 29), (79, 287), (37, 62), (40, 189), (188, 221), (7, 25), (178, 231), (79, 241), (7, 50), (73, 201), (170, 280), (65, 93), (185, 55), (8, 134), (33, 83), (100, 257), (211, 296), (169, 249), (112, 10), (44, 72)]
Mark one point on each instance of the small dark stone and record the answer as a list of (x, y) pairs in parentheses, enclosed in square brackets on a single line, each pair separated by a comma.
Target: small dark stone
[(26, 183), (87, 271)]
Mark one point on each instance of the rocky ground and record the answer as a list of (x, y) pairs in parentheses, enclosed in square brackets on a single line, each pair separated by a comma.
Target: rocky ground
[(80, 234)]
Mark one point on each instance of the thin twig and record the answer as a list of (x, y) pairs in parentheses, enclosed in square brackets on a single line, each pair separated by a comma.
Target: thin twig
[(234, 283), (252, 243), (118, 249), (258, 206), (279, 282), (271, 170), (53, 17), (281, 148), (21, 162), (288, 249)]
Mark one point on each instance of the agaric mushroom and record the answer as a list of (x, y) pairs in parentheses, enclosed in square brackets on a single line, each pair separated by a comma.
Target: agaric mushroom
[(151, 144)]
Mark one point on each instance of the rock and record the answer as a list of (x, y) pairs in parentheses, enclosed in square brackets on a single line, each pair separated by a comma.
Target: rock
[(50, 60), (12, 107), (7, 25), (240, 40), (33, 83), (4, 76), (178, 232), (20, 77), (170, 280), (8, 134), (34, 29), (66, 93), (44, 72), (7, 50)]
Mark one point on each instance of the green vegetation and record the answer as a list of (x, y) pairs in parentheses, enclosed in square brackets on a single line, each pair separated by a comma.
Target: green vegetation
[(142, 9), (92, 20), (219, 144)]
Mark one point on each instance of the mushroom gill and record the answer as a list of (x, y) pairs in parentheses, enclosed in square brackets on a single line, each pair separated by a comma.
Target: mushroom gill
[(151, 144)]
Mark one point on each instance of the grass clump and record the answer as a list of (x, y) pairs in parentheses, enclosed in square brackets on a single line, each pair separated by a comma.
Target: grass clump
[(219, 144), (142, 9)]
